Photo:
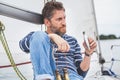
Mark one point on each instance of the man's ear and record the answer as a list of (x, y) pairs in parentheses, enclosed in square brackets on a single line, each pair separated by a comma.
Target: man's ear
[(47, 22)]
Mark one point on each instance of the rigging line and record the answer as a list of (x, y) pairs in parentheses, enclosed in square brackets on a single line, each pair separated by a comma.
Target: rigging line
[(18, 64), (10, 57), (6, 48)]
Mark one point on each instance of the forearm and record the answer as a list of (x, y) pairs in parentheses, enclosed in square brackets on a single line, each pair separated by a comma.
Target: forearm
[(62, 45), (52, 36), (85, 64)]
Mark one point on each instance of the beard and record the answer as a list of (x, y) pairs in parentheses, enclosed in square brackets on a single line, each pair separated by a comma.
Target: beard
[(60, 31)]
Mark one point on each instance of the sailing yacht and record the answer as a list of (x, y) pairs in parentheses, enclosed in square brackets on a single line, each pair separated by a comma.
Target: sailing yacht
[(16, 20)]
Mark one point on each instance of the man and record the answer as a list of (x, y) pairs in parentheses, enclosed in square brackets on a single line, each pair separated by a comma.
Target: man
[(66, 50)]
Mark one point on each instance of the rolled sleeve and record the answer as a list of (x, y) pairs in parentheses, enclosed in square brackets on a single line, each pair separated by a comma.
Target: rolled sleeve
[(81, 72), (24, 43)]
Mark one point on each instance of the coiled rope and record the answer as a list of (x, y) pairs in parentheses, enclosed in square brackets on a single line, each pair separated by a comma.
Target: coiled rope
[(7, 50)]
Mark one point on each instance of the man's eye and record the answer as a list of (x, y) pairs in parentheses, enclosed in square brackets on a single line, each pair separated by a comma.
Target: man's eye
[(59, 19)]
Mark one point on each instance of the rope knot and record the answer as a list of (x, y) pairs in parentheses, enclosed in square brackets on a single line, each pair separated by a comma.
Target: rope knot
[(2, 27)]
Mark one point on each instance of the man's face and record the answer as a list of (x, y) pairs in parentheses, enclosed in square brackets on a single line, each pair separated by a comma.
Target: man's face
[(58, 22)]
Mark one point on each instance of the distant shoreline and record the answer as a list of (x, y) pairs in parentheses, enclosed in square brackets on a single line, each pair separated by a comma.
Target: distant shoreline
[(108, 37)]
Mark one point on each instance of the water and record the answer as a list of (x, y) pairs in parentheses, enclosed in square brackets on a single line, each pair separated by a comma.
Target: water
[(26, 70), (109, 49), (110, 52)]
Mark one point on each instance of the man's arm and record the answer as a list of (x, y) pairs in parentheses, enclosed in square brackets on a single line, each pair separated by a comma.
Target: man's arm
[(85, 63), (24, 43), (63, 45), (88, 52)]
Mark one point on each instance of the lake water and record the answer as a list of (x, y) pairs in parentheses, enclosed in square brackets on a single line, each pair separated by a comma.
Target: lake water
[(106, 50), (109, 49)]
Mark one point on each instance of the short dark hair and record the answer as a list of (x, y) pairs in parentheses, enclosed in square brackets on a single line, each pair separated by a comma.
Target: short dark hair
[(50, 7)]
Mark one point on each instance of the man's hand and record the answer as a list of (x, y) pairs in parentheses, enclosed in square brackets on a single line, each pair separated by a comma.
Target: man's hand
[(63, 45), (92, 45)]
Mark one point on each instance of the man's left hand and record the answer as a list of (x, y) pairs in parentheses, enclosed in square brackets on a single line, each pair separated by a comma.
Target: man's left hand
[(92, 45)]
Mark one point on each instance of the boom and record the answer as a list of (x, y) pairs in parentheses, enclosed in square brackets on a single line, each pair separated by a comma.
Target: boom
[(21, 14)]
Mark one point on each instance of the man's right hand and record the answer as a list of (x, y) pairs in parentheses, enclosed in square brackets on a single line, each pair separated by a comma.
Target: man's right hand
[(63, 45)]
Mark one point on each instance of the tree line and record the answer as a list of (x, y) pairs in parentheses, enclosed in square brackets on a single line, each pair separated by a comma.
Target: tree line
[(105, 37)]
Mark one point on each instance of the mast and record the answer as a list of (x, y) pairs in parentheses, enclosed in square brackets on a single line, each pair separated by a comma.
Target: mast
[(101, 59)]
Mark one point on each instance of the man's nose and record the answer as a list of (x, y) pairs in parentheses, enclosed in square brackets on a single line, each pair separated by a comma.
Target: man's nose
[(64, 22)]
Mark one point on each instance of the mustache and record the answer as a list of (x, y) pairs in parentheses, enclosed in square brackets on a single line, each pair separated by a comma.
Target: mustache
[(63, 26)]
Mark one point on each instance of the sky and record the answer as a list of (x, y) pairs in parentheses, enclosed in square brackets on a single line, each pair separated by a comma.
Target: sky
[(108, 16)]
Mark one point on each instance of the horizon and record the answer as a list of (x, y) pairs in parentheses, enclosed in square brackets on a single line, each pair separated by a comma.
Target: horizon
[(107, 15)]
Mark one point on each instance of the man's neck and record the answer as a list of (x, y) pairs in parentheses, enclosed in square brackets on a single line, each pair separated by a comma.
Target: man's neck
[(54, 33)]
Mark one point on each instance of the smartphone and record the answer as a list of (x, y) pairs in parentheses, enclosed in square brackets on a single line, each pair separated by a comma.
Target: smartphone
[(86, 40)]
